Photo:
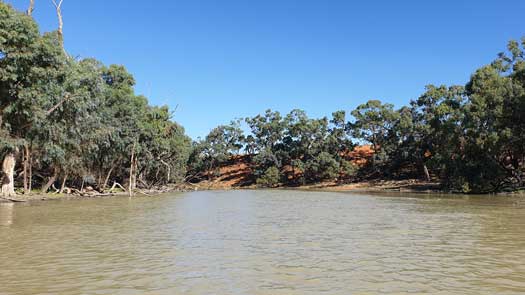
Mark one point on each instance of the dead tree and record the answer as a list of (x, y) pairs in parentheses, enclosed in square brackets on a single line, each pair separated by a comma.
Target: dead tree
[(31, 7), (7, 179), (58, 6), (131, 171)]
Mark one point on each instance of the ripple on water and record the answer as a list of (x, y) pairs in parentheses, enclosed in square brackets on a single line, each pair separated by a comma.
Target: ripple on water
[(264, 242)]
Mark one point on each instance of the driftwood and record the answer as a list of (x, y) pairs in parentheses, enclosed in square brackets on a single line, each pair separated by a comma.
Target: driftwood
[(116, 184), (90, 194), (56, 189)]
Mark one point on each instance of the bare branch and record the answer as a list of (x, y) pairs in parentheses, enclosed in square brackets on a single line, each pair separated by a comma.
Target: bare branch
[(66, 97), (58, 6), (31, 7)]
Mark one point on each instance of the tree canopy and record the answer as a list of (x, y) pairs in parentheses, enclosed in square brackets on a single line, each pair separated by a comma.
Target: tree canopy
[(470, 138), (67, 122), (78, 121)]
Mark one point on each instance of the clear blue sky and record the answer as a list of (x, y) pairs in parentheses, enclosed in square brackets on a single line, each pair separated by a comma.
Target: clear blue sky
[(220, 60)]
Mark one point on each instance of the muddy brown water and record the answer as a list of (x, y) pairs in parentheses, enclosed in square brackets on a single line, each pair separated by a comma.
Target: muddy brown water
[(265, 242)]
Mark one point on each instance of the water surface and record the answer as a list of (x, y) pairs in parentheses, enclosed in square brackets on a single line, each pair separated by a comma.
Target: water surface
[(265, 242)]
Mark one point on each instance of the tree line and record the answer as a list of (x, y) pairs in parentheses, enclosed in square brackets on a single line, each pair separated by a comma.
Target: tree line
[(71, 123), (470, 138)]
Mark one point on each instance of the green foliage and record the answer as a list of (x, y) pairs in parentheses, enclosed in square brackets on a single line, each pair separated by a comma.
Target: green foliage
[(78, 118), (374, 122), (83, 120), (471, 138), (219, 145), (321, 167), (348, 168), (270, 178)]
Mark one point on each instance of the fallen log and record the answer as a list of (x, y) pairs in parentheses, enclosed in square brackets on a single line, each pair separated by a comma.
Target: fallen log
[(91, 194), (116, 184)]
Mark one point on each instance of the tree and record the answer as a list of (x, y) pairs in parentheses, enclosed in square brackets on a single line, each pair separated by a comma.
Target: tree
[(492, 152), (219, 146), (267, 131), (165, 147), (77, 118), (435, 122), (373, 123), (28, 60)]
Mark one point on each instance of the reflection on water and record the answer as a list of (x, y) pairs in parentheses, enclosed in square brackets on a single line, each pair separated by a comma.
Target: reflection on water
[(265, 242), (6, 213)]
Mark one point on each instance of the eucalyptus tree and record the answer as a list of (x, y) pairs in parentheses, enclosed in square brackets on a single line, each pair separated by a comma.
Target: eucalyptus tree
[(165, 148), (18, 36), (31, 68), (493, 148), (66, 135), (76, 118), (120, 112), (339, 143), (220, 145), (268, 130), (374, 122), (436, 118), (295, 139), (338, 140), (317, 157)]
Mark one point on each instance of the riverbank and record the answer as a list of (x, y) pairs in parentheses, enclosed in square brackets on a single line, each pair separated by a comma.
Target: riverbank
[(36, 196), (408, 185), (411, 186), (376, 186)]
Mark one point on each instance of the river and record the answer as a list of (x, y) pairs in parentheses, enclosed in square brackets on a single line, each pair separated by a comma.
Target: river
[(265, 242)]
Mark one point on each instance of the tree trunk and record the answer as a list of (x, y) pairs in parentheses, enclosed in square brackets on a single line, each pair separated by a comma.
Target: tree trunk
[(132, 161), (8, 173), (424, 169), (169, 170), (51, 180), (135, 171), (98, 176), (107, 177), (293, 172), (26, 164), (30, 170), (374, 154), (63, 186)]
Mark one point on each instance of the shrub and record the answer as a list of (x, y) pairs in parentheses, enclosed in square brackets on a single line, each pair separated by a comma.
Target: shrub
[(322, 167), (270, 178)]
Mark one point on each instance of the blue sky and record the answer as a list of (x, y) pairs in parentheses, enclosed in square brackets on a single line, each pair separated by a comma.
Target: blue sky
[(220, 60)]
